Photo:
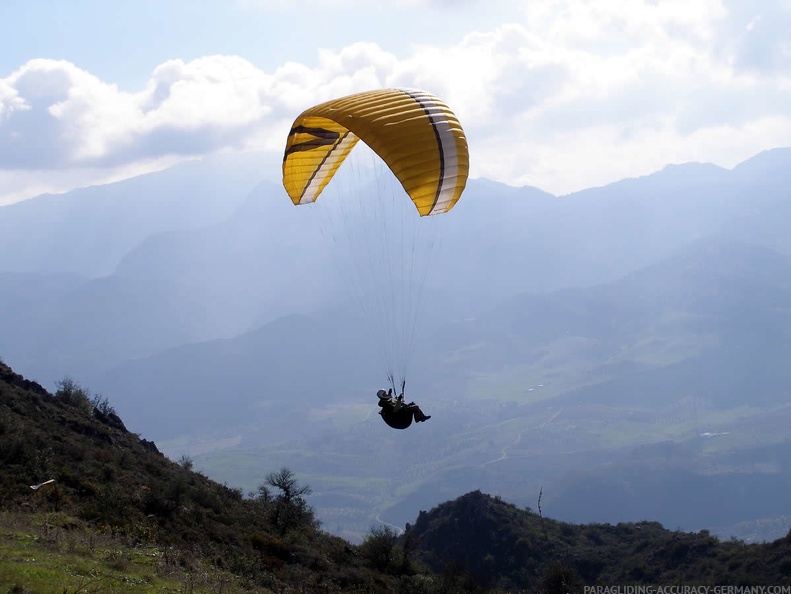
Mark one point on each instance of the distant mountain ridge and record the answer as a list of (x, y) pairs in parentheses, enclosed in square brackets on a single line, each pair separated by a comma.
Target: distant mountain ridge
[(86, 231), (192, 282)]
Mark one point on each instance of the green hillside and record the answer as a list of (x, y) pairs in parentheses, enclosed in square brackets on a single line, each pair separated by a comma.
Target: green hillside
[(120, 517), (87, 506)]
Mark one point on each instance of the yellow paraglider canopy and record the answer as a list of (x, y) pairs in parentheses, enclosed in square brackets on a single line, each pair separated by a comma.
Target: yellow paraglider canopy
[(416, 135)]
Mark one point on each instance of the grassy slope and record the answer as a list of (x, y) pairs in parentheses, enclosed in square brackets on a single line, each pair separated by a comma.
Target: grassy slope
[(122, 517)]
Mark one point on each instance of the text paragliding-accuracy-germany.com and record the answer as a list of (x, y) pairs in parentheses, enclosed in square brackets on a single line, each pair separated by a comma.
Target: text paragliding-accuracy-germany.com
[(687, 589)]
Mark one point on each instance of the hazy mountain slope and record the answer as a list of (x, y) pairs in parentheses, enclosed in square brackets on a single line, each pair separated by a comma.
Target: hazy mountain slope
[(24, 296), (96, 325), (711, 297), (767, 222), (28, 303), (588, 237), (174, 288), (765, 167), (267, 259), (86, 231), (708, 318), (275, 373), (679, 493)]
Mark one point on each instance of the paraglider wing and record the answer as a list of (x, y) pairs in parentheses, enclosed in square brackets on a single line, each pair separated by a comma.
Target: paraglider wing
[(416, 135)]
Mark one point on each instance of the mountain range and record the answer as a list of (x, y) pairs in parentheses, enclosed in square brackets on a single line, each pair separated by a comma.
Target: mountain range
[(557, 335)]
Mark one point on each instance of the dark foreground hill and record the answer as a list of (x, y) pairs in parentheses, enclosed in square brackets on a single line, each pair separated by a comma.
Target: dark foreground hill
[(504, 547), (87, 506)]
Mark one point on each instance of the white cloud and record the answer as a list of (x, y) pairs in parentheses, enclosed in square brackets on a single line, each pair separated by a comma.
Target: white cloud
[(10, 100), (358, 67), (576, 93), (278, 5), (629, 87), (75, 119), (757, 36)]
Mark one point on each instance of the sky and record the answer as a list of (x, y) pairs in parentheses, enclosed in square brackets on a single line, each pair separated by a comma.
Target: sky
[(557, 94)]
